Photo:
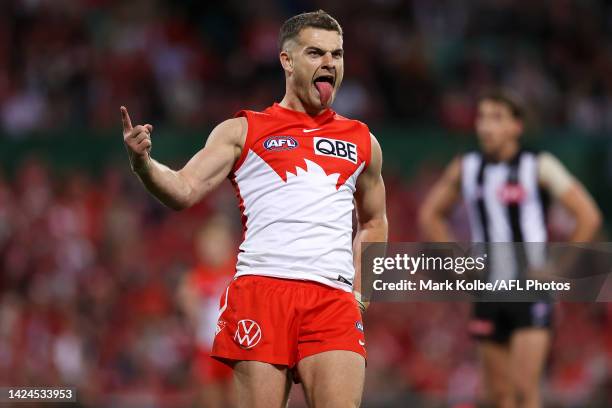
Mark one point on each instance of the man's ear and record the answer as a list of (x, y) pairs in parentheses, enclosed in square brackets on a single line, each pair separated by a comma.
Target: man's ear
[(286, 61)]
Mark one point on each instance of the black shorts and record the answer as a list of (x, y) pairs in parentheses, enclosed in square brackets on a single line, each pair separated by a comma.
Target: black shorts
[(497, 321)]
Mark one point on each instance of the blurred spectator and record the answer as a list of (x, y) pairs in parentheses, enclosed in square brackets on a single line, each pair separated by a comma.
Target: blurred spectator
[(71, 64), (94, 294), (199, 294)]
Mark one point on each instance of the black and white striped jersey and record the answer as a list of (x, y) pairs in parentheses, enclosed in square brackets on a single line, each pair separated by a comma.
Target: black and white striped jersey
[(504, 200)]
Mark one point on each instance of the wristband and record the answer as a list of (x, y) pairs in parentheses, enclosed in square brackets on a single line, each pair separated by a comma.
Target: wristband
[(360, 303)]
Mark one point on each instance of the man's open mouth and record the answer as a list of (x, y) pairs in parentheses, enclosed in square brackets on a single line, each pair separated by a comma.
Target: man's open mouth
[(325, 86), (325, 78)]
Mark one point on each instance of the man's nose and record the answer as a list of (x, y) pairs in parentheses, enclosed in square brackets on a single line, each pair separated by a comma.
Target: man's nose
[(328, 60)]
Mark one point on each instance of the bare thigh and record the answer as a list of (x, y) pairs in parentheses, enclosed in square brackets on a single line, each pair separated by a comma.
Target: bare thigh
[(261, 385), (333, 379), (529, 349), (496, 363)]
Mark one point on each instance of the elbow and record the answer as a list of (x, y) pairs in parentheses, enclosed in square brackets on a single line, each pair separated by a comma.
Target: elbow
[(178, 205), (424, 218), (377, 228), (185, 198), (595, 221), (590, 224)]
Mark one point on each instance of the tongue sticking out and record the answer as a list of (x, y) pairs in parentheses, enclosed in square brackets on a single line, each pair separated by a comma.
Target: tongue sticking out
[(325, 90)]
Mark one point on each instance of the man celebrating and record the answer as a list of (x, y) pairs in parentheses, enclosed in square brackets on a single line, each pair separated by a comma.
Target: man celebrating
[(297, 168)]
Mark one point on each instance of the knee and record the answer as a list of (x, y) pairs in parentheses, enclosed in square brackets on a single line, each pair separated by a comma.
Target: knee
[(527, 393), (501, 395), (339, 403), (333, 400)]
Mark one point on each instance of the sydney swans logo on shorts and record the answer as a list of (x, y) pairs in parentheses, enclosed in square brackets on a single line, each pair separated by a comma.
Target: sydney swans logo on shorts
[(335, 148), (248, 333), (359, 326), (220, 326), (280, 143)]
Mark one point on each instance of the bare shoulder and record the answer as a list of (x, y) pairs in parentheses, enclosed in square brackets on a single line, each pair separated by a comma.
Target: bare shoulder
[(452, 174), (376, 154), (454, 168), (231, 131)]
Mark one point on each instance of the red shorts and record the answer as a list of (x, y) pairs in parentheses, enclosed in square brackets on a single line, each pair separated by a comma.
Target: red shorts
[(281, 321)]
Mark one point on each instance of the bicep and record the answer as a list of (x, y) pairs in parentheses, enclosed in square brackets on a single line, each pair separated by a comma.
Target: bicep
[(214, 162), (553, 175), (370, 195), (578, 201), (563, 186)]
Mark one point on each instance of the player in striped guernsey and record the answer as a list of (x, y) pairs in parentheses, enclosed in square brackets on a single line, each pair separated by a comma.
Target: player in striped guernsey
[(506, 189)]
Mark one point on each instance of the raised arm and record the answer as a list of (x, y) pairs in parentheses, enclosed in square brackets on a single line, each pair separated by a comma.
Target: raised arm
[(371, 212), (179, 189), (555, 178), (433, 214)]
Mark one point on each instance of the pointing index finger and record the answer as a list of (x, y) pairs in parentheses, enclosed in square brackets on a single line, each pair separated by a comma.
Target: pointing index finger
[(125, 118)]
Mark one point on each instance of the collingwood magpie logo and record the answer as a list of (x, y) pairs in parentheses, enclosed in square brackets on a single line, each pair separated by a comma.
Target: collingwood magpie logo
[(248, 333)]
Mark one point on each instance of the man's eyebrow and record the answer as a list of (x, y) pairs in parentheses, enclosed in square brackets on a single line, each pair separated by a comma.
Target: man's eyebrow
[(314, 48)]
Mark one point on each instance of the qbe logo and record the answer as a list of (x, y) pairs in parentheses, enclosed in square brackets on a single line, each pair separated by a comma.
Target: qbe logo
[(248, 333), (280, 143), (335, 148)]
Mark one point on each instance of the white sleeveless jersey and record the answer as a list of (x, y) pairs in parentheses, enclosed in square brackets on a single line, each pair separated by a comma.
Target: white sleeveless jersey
[(295, 182)]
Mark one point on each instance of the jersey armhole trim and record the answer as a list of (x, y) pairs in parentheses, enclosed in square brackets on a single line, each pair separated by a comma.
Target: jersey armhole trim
[(247, 141), (368, 143)]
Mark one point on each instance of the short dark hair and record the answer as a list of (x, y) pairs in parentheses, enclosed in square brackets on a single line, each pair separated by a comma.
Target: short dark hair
[(315, 19), (507, 97)]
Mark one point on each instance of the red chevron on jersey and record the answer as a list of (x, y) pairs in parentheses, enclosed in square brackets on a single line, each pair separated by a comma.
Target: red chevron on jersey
[(335, 143), (295, 180)]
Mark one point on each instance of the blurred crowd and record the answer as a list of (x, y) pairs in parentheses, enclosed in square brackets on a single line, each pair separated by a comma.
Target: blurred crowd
[(92, 294), (66, 63), (93, 271)]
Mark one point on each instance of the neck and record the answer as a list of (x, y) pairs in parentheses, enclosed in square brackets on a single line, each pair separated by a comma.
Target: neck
[(507, 152), (293, 102)]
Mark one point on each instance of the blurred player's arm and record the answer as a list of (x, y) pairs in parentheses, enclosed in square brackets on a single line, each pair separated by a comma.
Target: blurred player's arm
[(433, 214), (179, 189), (371, 212), (557, 180)]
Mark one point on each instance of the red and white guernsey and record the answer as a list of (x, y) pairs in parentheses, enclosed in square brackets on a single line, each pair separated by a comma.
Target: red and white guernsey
[(295, 180)]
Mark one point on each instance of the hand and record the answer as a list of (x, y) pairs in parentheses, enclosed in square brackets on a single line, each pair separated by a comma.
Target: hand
[(137, 141), (363, 305)]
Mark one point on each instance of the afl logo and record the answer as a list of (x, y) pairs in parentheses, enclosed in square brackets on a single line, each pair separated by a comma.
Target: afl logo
[(280, 143), (248, 333), (511, 193)]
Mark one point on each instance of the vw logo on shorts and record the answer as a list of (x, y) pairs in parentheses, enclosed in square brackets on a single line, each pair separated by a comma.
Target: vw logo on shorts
[(248, 333)]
